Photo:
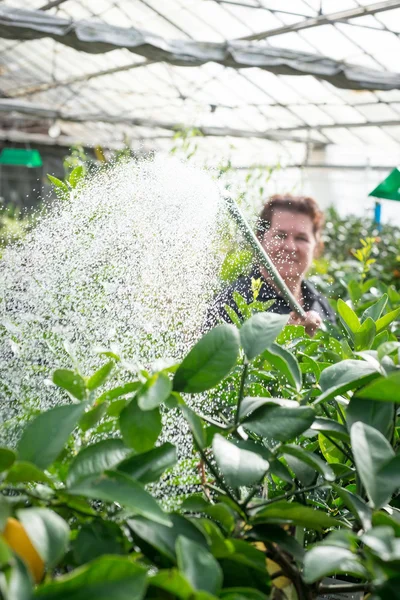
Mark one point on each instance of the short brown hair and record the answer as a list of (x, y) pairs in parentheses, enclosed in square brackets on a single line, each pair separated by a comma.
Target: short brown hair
[(297, 204)]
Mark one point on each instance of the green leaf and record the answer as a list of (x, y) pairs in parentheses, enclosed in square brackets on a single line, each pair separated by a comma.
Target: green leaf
[(332, 428), (387, 348), (45, 436), (98, 378), (70, 381), (140, 428), (329, 451), (323, 560), (198, 565), (113, 486), (163, 538), (309, 365), (375, 310), (385, 321), (7, 459), (384, 389), (195, 503), (196, 426), (242, 593), (96, 539), (209, 361), (389, 475), (346, 375), (239, 467), (234, 264), (95, 459), (348, 317), (242, 305), (115, 577), (232, 315), (277, 535), (302, 471), (311, 459), (279, 422), (76, 175), (149, 466), (155, 391), (58, 184), (119, 391), (364, 337), (5, 513), (173, 582), (356, 505), (286, 363), (355, 291), (19, 581), (114, 409), (48, 532), (377, 414), (371, 451), (381, 338), (260, 331), (223, 514), (388, 590), (381, 518), (250, 404), (93, 416), (24, 472), (295, 514)]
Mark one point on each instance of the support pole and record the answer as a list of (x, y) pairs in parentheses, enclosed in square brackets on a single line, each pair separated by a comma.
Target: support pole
[(377, 215)]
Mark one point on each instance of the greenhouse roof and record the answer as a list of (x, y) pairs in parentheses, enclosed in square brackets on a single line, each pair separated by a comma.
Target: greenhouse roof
[(264, 77)]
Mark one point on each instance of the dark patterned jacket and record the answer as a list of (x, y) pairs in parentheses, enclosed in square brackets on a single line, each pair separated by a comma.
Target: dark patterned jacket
[(313, 300)]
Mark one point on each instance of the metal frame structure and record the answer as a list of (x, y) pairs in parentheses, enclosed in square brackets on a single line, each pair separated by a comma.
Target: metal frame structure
[(63, 84)]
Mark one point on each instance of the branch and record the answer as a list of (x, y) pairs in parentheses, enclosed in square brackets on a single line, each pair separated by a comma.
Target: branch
[(241, 390)]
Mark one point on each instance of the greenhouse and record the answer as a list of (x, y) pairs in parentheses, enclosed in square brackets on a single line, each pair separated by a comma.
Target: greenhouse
[(199, 300)]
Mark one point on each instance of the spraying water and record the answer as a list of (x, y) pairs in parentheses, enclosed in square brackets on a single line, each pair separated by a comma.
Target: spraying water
[(126, 262)]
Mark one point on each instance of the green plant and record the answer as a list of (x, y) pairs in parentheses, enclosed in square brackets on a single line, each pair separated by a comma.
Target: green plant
[(299, 471), (13, 224)]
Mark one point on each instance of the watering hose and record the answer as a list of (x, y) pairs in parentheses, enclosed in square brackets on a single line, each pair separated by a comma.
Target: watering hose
[(263, 257)]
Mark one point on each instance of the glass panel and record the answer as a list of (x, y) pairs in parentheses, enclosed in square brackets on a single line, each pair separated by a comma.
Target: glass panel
[(390, 18), (330, 42), (345, 114), (378, 112)]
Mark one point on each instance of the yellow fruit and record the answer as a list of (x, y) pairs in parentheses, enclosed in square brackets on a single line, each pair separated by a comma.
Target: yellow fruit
[(272, 567), (279, 582), (17, 538)]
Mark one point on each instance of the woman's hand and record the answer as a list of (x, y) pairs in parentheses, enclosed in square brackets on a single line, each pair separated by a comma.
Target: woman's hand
[(311, 322)]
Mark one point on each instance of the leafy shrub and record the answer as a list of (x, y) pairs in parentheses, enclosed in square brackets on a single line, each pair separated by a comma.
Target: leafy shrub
[(299, 471)]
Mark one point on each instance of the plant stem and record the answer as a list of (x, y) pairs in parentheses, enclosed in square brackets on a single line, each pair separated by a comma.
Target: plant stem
[(241, 390), (346, 450), (302, 590), (339, 447), (217, 476), (300, 491), (297, 492)]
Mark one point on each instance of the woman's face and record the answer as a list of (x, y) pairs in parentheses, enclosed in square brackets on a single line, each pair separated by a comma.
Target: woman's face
[(291, 244)]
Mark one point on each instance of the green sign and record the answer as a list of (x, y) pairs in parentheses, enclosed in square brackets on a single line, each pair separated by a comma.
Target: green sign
[(20, 157), (389, 188)]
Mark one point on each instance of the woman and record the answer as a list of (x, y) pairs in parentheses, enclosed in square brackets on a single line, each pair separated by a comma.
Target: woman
[(289, 228)]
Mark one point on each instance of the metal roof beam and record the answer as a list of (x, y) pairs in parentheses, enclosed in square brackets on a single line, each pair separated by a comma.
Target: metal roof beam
[(354, 125), (43, 87), (53, 4), (44, 112), (343, 15)]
